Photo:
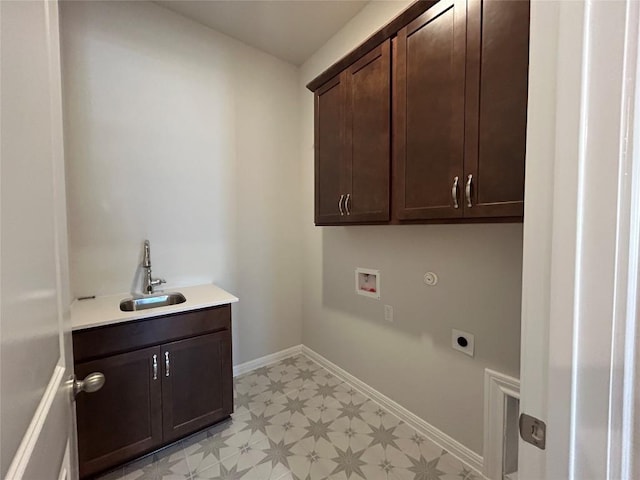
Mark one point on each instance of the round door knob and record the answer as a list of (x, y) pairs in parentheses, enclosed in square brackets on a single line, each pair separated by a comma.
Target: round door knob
[(91, 383)]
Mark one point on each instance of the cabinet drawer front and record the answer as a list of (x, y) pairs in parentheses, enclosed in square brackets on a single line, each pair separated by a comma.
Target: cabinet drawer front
[(123, 419), (102, 341), (197, 385)]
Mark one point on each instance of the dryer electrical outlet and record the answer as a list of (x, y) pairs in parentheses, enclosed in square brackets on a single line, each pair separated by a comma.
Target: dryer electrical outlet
[(462, 341)]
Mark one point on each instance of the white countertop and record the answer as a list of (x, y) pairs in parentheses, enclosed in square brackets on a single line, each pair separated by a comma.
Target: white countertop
[(105, 310)]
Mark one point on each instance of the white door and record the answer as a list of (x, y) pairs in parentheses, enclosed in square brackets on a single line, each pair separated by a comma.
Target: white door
[(581, 240), (38, 433)]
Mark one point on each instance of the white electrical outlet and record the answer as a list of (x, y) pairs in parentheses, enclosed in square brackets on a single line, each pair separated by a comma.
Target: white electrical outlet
[(462, 341), (388, 313)]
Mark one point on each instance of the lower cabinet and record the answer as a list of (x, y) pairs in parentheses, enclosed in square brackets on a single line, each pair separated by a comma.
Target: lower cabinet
[(124, 418), (156, 394), (195, 390)]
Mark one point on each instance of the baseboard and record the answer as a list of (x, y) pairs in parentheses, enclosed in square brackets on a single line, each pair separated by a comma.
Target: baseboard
[(266, 360), (438, 437)]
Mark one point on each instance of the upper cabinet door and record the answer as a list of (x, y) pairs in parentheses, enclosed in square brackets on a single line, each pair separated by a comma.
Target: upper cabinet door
[(496, 127), (429, 101), (367, 137), (329, 151)]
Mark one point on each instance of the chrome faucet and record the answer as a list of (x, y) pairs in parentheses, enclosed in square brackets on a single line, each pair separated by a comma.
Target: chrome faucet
[(148, 283)]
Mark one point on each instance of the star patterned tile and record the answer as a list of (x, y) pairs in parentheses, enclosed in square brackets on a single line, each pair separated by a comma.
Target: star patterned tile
[(294, 420)]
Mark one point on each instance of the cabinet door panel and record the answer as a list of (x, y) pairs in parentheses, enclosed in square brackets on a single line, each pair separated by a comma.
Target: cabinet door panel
[(123, 419), (329, 150), (498, 66), (429, 112), (196, 383), (367, 136)]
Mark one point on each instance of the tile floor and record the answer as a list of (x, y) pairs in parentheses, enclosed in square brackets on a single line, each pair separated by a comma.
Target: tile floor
[(296, 421)]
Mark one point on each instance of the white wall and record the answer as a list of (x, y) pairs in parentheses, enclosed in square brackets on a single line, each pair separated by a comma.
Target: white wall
[(181, 135), (479, 291)]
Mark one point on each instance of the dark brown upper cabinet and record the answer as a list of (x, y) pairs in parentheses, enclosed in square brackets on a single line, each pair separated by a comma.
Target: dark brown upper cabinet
[(460, 110), (352, 142), (458, 99), (429, 89), (496, 107), (329, 150)]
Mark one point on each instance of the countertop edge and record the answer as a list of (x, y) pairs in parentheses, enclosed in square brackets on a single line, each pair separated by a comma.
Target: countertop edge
[(105, 311)]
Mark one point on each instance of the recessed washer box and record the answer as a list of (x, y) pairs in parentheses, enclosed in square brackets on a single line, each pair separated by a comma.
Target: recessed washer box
[(368, 282)]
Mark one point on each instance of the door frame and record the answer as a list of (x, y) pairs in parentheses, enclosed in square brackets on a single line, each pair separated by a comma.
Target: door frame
[(581, 240)]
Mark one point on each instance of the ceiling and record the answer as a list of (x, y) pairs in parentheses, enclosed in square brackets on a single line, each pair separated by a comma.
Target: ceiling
[(289, 29)]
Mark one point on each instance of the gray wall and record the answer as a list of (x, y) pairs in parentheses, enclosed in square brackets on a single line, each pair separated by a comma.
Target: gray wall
[(410, 360)]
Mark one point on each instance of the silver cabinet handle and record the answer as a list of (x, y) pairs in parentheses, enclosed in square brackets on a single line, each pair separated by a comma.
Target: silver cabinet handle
[(346, 203), (166, 364), (340, 204), (454, 192), (467, 190), (155, 367), (91, 383)]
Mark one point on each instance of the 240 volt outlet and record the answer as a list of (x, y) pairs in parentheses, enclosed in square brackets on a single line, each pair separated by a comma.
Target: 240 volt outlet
[(462, 341)]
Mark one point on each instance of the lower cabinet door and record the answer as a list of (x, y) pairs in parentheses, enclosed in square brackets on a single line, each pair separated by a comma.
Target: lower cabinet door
[(197, 383), (123, 419)]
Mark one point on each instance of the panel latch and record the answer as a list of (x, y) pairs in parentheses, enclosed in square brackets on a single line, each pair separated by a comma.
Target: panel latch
[(533, 431)]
